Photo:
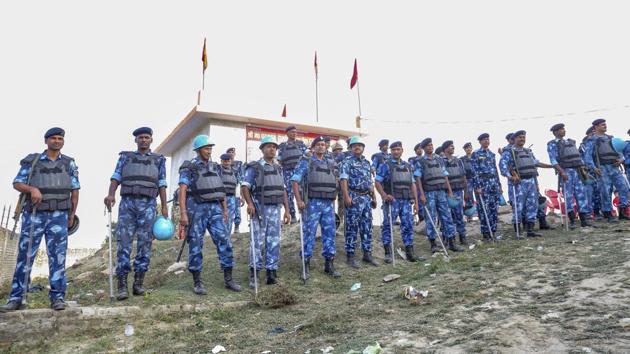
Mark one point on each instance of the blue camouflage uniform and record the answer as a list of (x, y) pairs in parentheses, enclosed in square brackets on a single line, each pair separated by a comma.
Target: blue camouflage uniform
[(378, 159), (626, 161), (359, 215), (318, 212), (611, 176), (266, 224), (50, 224), (398, 208), (239, 168), (232, 202), (486, 178), (574, 188), (136, 215), (436, 203), (204, 216), (466, 160), (526, 190), (287, 172), (592, 189), (457, 213), (413, 161)]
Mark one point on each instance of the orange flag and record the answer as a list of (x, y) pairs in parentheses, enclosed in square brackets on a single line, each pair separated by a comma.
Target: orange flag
[(284, 111), (204, 58), (355, 76)]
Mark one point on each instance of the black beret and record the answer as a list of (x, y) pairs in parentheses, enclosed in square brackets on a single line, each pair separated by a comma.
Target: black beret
[(418, 146), (317, 140), (509, 136), (467, 145), (383, 142), (290, 127), (54, 131), (598, 121), (230, 150), (628, 131), (226, 157), (143, 130), (425, 142), (327, 139), (395, 144), (446, 144), (483, 136), (589, 130), (438, 150), (519, 133), (556, 127)]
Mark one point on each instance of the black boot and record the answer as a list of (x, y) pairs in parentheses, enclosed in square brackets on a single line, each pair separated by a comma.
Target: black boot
[(58, 305), (271, 277), (253, 279), (351, 261), (434, 246), (307, 268), (198, 287), (367, 258), (598, 215), (572, 225), (12, 305), (453, 247), (462, 240), (388, 254), (236, 228), (329, 268), (123, 293), (411, 257), (622, 213), (610, 218), (542, 222), (229, 281), (138, 279), (585, 220), (530, 230), (486, 237)]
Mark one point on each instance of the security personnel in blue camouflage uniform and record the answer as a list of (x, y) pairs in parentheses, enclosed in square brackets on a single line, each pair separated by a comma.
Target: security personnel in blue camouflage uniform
[(504, 153), (336, 157), (457, 179), (467, 161), (413, 161), (142, 177), (606, 161), (626, 155), (263, 189), (565, 158), (432, 181), (203, 207), (231, 179), (521, 165), (52, 196), (592, 187), (487, 185), (381, 156), (358, 196), (321, 190), (289, 153), (239, 168), (395, 183)]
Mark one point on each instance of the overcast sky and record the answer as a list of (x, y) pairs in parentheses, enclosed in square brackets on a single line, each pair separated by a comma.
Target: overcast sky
[(101, 71)]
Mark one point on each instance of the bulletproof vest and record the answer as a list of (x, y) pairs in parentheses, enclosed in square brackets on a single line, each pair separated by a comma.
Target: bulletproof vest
[(53, 180), (525, 163), (399, 184), (380, 156), (432, 175), (228, 175), (206, 184), (269, 183), (140, 175), (604, 150), (456, 173), (322, 183), (467, 166), (568, 154), (291, 154)]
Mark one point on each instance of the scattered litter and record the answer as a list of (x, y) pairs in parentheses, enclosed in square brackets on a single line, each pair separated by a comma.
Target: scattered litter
[(373, 349), (89, 294), (414, 296), (355, 287), (129, 330), (434, 342), (307, 352), (218, 349), (528, 248), (586, 350), (427, 264), (297, 328), (624, 322), (328, 349), (100, 291), (276, 330), (471, 246), (175, 267), (433, 275), (401, 253), (178, 272), (550, 315), (390, 277), (539, 248), (573, 242), (266, 352)]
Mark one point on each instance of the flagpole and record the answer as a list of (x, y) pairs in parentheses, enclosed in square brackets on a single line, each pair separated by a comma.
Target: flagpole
[(316, 100), (359, 97), (203, 81)]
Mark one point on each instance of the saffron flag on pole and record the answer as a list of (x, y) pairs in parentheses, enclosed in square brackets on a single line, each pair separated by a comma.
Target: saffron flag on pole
[(284, 110), (204, 58), (355, 76)]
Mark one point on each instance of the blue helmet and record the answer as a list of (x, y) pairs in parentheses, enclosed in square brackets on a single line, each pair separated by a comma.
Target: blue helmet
[(454, 202), (471, 211), (202, 141), (163, 228), (618, 144)]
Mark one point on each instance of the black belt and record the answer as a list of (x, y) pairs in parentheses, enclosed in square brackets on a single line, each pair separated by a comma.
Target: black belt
[(359, 192)]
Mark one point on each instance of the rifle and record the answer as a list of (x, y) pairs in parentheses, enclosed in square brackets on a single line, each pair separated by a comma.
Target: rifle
[(22, 198)]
